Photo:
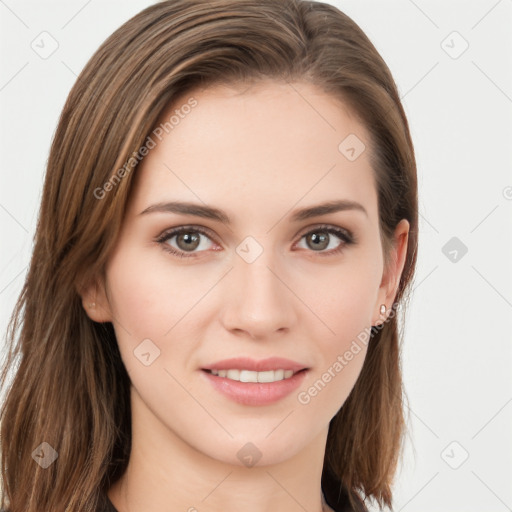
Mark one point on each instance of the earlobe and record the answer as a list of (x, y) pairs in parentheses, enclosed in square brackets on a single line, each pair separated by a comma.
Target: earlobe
[(392, 274), (95, 302)]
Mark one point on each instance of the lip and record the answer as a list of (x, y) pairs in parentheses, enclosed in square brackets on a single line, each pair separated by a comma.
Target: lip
[(245, 363), (256, 393)]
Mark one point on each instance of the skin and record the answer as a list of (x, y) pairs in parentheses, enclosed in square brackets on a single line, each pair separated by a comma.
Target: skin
[(258, 153)]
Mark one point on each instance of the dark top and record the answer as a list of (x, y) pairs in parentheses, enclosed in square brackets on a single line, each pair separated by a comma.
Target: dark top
[(335, 495)]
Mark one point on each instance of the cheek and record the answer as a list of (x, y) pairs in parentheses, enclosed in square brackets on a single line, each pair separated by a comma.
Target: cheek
[(152, 306), (148, 295), (343, 351), (346, 306), (345, 299)]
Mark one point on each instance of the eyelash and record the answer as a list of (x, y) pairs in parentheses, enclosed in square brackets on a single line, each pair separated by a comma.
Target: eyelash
[(345, 236)]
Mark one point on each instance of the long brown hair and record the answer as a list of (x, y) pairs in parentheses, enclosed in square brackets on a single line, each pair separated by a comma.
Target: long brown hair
[(70, 389)]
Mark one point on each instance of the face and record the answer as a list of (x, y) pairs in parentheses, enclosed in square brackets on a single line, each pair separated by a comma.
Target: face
[(261, 281)]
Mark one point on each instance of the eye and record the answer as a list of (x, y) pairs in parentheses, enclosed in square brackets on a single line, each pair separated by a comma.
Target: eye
[(188, 239), (320, 239)]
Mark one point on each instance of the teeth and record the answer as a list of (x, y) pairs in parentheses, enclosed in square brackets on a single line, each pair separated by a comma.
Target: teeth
[(247, 376), (250, 376), (233, 374)]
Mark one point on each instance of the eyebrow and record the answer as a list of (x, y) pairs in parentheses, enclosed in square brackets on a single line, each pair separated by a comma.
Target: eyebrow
[(209, 212)]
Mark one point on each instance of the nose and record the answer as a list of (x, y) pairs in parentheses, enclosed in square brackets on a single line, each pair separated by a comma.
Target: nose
[(259, 299)]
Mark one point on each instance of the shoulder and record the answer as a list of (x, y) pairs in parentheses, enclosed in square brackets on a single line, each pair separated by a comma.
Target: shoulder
[(105, 505)]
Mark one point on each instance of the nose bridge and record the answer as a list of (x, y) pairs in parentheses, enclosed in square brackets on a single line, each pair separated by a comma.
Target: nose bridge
[(260, 303)]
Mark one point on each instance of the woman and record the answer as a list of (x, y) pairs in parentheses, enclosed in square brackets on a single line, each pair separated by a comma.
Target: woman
[(228, 224)]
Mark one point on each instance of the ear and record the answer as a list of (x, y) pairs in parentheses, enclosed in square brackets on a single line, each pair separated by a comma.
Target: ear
[(392, 273), (95, 301)]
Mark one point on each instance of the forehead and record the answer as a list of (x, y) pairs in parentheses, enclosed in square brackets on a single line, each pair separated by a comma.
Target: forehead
[(252, 146)]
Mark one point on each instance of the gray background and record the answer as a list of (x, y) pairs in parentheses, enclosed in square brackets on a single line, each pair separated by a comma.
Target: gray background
[(457, 350)]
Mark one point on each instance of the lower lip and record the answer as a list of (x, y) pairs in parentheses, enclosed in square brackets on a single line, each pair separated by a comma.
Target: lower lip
[(256, 393)]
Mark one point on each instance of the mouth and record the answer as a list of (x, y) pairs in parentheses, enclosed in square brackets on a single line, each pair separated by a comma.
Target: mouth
[(255, 383)]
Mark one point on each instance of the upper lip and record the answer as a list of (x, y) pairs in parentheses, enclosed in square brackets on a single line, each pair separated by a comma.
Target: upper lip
[(245, 363)]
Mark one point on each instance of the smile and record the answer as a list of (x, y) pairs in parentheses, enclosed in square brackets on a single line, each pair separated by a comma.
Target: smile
[(251, 392)]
